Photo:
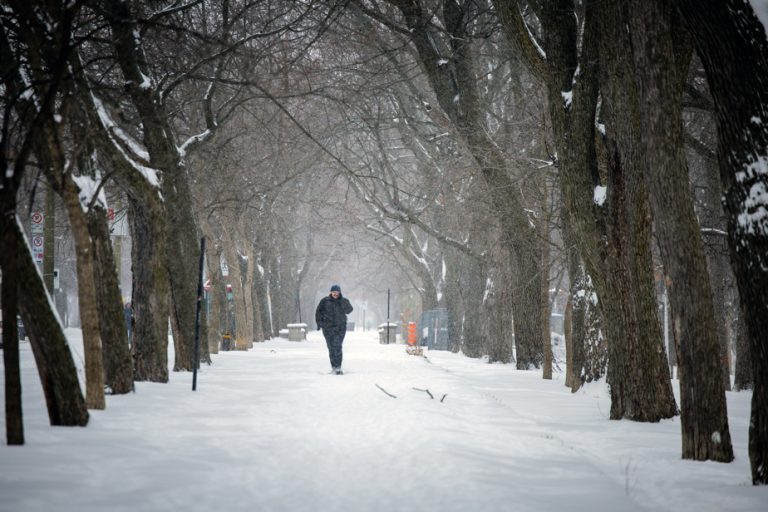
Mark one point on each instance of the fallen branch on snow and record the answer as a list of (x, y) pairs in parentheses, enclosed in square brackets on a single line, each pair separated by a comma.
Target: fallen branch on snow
[(385, 391), (425, 391)]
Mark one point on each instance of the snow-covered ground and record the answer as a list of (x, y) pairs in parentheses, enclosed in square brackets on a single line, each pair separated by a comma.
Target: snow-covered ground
[(271, 430)]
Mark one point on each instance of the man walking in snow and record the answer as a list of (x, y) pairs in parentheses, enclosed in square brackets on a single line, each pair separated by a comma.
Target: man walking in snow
[(331, 317)]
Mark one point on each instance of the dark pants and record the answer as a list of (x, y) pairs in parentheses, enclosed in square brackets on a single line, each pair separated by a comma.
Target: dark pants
[(334, 337)]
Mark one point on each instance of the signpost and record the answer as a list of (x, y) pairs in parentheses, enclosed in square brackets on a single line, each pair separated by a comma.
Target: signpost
[(388, 329), (38, 228), (38, 222), (38, 252)]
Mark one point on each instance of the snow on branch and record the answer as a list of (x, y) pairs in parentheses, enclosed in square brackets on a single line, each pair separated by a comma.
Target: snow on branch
[(753, 218), (91, 192), (567, 99), (599, 195), (193, 141), (714, 231), (150, 174), (114, 129)]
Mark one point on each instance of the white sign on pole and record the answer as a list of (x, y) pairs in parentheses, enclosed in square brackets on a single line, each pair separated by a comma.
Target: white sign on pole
[(224, 268), (37, 248), (38, 222)]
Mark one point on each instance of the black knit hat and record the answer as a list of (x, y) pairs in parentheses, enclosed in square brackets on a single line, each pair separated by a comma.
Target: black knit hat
[(336, 288)]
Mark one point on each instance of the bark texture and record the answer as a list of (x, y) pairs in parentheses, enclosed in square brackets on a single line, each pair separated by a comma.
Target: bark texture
[(609, 235), (14, 416), (181, 234), (150, 291), (58, 375), (118, 365), (86, 294), (732, 45), (638, 369), (704, 419)]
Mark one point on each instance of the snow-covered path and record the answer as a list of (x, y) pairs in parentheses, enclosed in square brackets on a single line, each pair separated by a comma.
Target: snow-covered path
[(271, 429)]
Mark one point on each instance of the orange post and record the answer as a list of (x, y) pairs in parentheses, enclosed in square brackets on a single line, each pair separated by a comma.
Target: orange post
[(412, 334)]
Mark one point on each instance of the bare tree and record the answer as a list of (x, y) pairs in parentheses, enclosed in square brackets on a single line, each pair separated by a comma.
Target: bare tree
[(736, 63), (64, 399), (660, 73)]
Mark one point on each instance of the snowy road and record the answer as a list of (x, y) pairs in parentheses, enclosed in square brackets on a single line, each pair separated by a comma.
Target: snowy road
[(271, 430)]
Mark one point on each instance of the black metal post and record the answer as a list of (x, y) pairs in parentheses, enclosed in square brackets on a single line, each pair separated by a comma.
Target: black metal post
[(196, 361), (298, 302), (388, 316)]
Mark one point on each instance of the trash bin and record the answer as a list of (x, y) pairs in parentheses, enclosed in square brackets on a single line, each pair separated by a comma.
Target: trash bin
[(387, 333), (297, 332)]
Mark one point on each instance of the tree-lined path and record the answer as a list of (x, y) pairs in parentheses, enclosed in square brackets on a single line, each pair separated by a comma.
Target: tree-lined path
[(270, 430)]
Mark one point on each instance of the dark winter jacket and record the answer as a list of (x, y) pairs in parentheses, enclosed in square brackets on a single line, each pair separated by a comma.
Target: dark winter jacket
[(332, 312)]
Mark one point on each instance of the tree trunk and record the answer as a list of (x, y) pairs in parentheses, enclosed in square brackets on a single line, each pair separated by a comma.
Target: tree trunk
[(638, 371), (732, 45), (217, 307), (86, 288), (146, 215), (181, 234), (273, 295), (53, 161), (577, 307), (256, 283), (568, 335), (14, 418), (611, 266), (217, 299), (595, 344), (260, 299), (704, 419), (526, 311), (716, 253), (116, 355), (454, 84), (150, 291), (743, 378), (545, 267), (242, 335), (500, 326), (58, 374), (258, 318), (452, 295), (246, 270), (43, 78), (474, 289), (182, 257)]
